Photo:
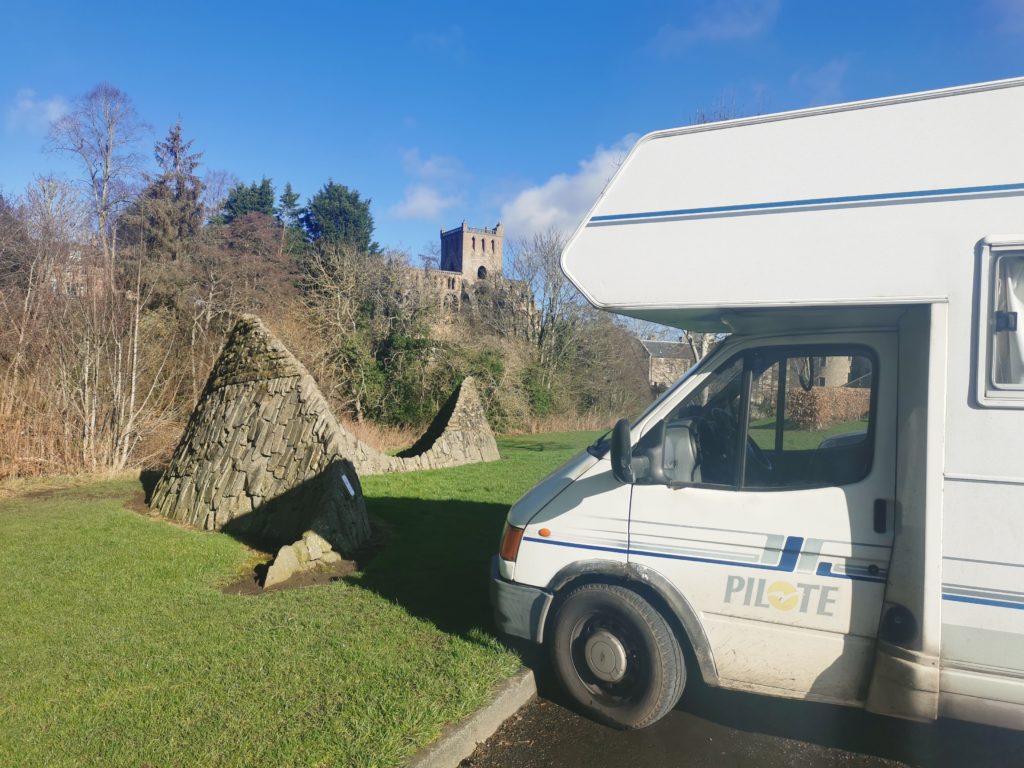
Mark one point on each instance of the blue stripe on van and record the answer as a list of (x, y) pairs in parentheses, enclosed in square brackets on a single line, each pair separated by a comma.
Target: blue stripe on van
[(982, 601), (842, 200), (787, 559)]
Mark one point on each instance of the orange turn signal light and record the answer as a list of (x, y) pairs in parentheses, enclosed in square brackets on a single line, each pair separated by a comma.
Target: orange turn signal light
[(510, 542), (545, 532)]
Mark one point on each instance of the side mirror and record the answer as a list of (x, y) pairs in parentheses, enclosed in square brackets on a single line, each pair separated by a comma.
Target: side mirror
[(622, 452)]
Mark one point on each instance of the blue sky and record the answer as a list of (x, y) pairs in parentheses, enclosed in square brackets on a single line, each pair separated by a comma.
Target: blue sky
[(444, 112)]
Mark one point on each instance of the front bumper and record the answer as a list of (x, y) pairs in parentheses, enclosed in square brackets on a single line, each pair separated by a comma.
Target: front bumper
[(519, 610)]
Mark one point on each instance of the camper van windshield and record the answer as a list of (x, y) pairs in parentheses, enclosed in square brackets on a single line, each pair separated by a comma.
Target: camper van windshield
[(802, 420), (697, 368), (600, 446)]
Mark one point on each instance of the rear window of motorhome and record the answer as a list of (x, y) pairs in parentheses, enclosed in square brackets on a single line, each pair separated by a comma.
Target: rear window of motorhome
[(1006, 324)]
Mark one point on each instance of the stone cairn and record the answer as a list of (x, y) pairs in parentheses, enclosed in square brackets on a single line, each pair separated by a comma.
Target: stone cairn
[(264, 457), (260, 456), (307, 554)]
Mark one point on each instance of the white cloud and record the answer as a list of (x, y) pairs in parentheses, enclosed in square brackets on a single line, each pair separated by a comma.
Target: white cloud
[(451, 42), (719, 21), (823, 85), (31, 113), (422, 202), (433, 167), (1009, 16), (563, 200)]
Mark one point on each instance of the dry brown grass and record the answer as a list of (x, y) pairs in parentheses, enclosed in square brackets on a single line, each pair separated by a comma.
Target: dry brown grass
[(569, 423), (381, 436), (40, 485)]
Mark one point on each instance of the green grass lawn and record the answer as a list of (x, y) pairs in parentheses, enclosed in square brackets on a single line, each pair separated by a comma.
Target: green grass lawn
[(117, 646), (763, 433)]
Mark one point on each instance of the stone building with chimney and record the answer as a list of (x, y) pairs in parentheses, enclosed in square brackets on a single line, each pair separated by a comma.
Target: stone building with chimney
[(666, 362)]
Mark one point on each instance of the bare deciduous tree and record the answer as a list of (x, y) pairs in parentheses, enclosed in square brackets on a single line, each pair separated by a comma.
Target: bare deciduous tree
[(559, 306), (101, 132), (216, 185)]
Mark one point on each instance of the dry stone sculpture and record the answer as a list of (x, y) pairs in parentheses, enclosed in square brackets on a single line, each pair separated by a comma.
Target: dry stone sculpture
[(260, 455), (263, 455), (459, 434)]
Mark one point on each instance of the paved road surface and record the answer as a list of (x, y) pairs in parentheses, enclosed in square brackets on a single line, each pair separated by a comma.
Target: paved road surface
[(722, 728)]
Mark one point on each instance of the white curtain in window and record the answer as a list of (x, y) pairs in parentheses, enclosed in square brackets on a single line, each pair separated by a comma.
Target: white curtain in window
[(1008, 360)]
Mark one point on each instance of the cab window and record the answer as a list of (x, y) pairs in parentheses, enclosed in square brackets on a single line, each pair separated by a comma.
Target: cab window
[(696, 442), (810, 420), (770, 419)]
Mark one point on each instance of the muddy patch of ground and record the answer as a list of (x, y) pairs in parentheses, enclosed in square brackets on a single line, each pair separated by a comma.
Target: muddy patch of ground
[(251, 583)]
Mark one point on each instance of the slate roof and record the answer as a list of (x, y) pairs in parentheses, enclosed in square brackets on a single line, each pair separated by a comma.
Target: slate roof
[(670, 350)]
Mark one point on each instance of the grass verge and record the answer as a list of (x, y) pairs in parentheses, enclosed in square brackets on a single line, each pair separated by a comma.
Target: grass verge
[(118, 648)]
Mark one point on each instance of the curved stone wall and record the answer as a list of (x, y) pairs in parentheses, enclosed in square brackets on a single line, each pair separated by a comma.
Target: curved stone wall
[(458, 435)]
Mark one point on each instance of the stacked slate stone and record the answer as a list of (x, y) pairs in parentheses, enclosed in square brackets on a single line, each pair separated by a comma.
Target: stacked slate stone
[(264, 457), (458, 435), (261, 455)]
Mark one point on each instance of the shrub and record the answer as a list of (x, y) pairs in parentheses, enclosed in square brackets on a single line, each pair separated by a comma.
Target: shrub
[(822, 407)]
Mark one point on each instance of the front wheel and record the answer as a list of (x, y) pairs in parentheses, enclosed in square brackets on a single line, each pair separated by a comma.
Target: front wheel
[(616, 656)]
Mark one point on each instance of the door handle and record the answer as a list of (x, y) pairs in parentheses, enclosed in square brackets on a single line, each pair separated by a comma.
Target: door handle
[(881, 516)]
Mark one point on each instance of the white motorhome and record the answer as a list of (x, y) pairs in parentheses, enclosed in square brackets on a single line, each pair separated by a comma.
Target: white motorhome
[(831, 505)]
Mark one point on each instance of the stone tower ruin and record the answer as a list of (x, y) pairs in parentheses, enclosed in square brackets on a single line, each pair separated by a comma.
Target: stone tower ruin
[(474, 252)]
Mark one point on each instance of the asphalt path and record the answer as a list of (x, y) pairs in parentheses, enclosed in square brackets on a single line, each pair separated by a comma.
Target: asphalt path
[(712, 727)]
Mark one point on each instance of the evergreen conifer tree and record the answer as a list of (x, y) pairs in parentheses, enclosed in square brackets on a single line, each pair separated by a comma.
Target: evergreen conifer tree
[(288, 206), (168, 213), (338, 214), (252, 198)]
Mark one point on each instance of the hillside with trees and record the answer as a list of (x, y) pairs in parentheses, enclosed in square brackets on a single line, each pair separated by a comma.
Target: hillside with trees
[(117, 287)]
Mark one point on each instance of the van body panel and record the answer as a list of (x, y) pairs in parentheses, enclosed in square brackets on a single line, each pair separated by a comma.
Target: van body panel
[(762, 565), (589, 519), (876, 223), (547, 489), (924, 176), (785, 669)]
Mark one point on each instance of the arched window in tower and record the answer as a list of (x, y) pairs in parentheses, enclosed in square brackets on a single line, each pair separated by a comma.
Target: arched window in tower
[(492, 246), (474, 243), (481, 273)]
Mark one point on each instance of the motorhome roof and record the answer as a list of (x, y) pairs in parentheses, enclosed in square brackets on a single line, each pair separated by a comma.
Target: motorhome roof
[(882, 101), (836, 205)]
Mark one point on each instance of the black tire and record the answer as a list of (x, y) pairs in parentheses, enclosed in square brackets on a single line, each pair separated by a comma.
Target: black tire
[(616, 656)]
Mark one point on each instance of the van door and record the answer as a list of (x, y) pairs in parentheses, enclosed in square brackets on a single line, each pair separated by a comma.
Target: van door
[(768, 502)]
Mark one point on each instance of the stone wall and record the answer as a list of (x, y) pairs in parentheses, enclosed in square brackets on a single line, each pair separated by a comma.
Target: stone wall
[(664, 371), (263, 455), (458, 435)]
